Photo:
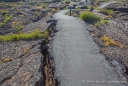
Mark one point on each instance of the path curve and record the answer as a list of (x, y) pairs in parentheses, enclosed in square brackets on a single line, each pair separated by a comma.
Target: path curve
[(77, 58)]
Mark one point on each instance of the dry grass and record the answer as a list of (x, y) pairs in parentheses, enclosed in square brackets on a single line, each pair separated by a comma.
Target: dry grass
[(6, 60), (110, 42), (48, 14), (21, 15), (26, 50)]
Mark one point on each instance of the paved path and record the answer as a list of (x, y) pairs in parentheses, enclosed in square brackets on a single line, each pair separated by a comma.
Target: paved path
[(77, 57)]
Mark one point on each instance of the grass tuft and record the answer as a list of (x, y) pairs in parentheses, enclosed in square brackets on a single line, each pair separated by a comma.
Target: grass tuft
[(102, 22), (89, 17), (18, 26), (4, 12), (110, 42), (26, 50), (1, 24), (24, 36), (6, 60), (106, 12), (7, 18)]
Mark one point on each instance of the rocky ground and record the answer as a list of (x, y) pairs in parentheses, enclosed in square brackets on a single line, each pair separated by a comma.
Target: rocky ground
[(22, 66), (22, 62), (116, 30)]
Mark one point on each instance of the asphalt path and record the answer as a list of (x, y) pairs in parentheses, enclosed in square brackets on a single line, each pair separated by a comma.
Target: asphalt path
[(78, 60)]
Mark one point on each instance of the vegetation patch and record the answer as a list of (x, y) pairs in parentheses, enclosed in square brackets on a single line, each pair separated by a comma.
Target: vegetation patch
[(24, 36), (106, 12), (89, 17), (88, 7), (1, 24), (110, 42), (7, 18), (53, 10), (75, 14), (6, 60), (4, 12), (26, 50), (67, 1), (102, 22), (18, 26)]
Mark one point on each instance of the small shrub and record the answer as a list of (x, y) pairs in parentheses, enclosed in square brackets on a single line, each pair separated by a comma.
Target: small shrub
[(89, 17)]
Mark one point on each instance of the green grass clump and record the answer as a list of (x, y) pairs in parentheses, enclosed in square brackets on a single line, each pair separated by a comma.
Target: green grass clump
[(1, 5), (53, 10), (18, 26), (106, 22), (66, 8), (67, 1), (24, 36), (102, 22), (7, 18), (1, 24), (106, 12), (89, 17), (97, 8), (88, 7), (4, 12), (43, 4)]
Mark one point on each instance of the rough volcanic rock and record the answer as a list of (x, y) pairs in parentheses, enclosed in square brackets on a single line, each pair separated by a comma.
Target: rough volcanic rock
[(54, 5), (24, 66), (117, 30)]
